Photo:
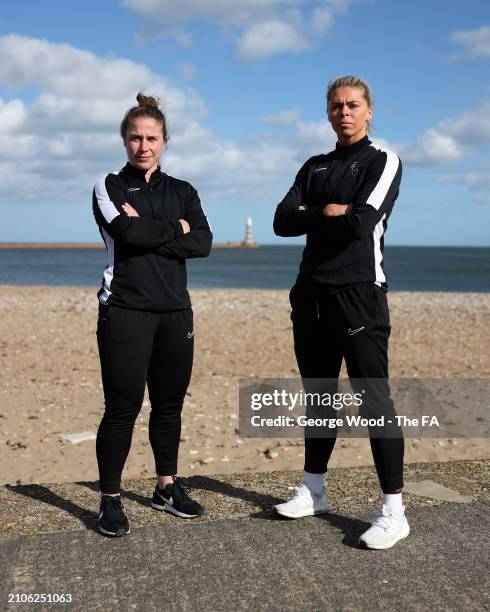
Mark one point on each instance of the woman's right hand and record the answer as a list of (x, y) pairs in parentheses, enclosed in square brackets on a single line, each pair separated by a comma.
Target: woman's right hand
[(185, 226), (129, 210), (336, 210)]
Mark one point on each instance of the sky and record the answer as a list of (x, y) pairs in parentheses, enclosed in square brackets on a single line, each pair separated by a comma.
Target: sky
[(242, 83)]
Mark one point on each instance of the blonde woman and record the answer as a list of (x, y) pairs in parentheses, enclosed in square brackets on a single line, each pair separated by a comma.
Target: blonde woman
[(342, 201)]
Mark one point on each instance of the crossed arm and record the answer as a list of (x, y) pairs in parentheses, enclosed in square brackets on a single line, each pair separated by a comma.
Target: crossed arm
[(374, 199), (196, 239), (184, 238), (294, 218), (332, 210)]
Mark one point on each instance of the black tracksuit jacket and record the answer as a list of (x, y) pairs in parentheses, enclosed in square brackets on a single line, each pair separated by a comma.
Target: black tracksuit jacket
[(347, 250), (146, 268)]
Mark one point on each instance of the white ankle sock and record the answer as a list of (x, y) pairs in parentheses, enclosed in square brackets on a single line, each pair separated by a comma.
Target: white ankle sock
[(314, 482), (393, 501)]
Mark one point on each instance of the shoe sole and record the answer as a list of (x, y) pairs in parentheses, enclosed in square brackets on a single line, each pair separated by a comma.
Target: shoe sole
[(294, 516), (172, 510), (115, 534), (404, 535)]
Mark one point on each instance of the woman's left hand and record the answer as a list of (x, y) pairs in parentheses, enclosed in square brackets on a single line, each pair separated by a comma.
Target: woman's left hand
[(130, 211)]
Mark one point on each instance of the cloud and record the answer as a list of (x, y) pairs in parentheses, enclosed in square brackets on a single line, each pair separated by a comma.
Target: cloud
[(262, 28), (221, 12), (322, 18), (69, 134), (451, 139), (284, 117), (12, 115), (475, 44), (79, 87), (186, 71), (471, 127), (431, 149), (226, 169), (314, 137), (271, 38), (477, 180), (257, 169)]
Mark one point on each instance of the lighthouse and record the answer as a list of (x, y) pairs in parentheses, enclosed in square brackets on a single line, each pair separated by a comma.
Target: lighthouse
[(248, 231), (249, 241)]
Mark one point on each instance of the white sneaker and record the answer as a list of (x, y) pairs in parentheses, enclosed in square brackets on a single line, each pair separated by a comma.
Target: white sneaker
[(303, 503), (386, 530)]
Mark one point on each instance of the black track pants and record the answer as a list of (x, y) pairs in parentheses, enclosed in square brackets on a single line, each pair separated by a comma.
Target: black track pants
[(353, 324), (138, 348)]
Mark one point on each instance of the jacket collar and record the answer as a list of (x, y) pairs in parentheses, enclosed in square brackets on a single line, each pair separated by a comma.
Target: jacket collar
[(130, 170), (347, 150)]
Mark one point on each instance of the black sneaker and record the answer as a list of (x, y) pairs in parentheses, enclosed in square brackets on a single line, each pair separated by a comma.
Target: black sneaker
[(112, 520), (174, 498)]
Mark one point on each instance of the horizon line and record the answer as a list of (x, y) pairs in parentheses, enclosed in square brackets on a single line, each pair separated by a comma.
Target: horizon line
[(100, 245)]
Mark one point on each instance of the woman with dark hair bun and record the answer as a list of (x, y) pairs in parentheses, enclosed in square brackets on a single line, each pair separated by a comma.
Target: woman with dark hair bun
[(342, 201), (150, 223)]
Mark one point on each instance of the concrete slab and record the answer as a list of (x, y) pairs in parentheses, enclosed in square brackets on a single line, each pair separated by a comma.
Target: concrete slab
[(29, 509), (262, 563), (434, 490)]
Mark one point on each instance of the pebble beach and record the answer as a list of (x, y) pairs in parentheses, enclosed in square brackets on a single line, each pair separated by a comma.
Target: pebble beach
[(51, 382)]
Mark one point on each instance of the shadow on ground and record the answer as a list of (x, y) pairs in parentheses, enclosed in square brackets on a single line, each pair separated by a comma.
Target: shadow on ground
[(41, 493)]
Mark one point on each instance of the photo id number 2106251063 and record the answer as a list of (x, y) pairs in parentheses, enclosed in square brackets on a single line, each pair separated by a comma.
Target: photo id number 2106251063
[(40, 598)]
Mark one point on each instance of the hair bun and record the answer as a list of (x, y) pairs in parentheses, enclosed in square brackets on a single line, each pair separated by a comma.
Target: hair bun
[(147, 100)]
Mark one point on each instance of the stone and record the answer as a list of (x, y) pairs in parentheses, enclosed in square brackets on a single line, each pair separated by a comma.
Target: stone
[(76, 438)]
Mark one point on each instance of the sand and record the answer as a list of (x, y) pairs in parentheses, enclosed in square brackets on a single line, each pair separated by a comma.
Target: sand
[(50, 378)]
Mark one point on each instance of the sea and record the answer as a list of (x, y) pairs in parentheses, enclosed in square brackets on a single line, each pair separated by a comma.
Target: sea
[(457, 269)]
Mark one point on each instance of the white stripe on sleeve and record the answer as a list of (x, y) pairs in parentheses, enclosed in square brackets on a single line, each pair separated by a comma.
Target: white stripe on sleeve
[(378, 255), (106, 206), (109, 270), (378, 194)]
